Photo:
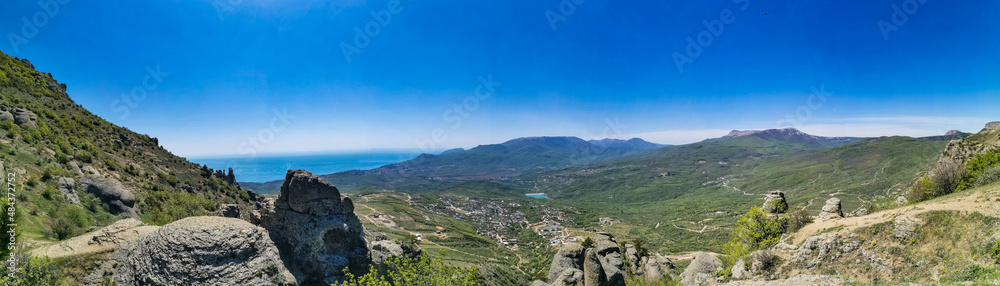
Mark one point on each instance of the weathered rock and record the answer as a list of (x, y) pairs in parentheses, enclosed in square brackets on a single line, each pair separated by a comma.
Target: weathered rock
[(905, 228), (90, 170), (665, 261), (570, 256), (652, 270), (230, 210), (24, 116), (569, 277), (702, 270), (383, 249), (201, 251), (831, 210), (740, 270), (105, 239), (539, 283), (991, 126), (816, 249), (111, 192), (316, 231), (6, 116), (67, 187), (75, 168), (632, 255), (609, 254), (774, 202), (593, 273), (901, 201)]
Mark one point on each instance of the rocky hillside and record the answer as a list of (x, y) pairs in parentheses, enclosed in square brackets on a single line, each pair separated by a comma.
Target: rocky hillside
[(76, 172)]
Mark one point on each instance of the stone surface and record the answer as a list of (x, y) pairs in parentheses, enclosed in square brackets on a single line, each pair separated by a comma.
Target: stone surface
[(67, 187), (593, 273), (383, 249), (740, 271), (230, 210), (90, 170), (570, 256), (774, 202), (315, 230), (702, 270), (798, 280), (111, 192), (816, 249), (201, 251), (831, 210)]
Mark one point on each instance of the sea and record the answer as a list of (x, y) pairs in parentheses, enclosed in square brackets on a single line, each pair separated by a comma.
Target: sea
[(271, 168)]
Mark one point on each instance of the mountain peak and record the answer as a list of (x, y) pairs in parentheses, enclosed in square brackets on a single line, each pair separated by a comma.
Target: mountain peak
[(784, 132)]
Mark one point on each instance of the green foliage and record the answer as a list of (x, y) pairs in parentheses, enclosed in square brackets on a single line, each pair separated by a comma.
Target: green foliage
[(162, 207), (639, 281), (977, 166), (32, 271), (754, 231), (422, 270), (588, 243), (797, 219)]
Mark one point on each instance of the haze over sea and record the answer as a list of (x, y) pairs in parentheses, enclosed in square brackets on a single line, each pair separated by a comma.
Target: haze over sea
[(273, 167)]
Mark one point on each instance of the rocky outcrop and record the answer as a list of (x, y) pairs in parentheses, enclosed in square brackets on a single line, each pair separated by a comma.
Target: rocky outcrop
[(602, 265), (383, 249), (105, 239), (831, 210), (774, 202), (816, 249), (90, 170), (611, 260), (797, 280), (200, 251), (111, 192), (67, 187), (230, 210), (593, 273), (20, 116), (315, 229), (567, 265), (702, 270), (991, 126)]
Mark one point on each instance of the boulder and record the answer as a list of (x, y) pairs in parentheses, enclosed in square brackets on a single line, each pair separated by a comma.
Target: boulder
[(67, 187), (6, 116), (816, 249), (652, 270), (90, 170), (831, 210), (200, 251), (611, 260), (569, 277), (740, 271), (539, 283), (774, 202), (570, 256), (383, 249), (75, 168), (702, 270), (905, 228), (593, 273), (24, 116), (230, 210), (315, 230), (111, 192), (632, 255)]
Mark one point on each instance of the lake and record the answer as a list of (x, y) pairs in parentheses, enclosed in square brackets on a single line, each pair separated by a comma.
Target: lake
[(537, 195), (271, 168)]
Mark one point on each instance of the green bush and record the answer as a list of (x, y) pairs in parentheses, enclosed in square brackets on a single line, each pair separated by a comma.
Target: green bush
[(754, 231), (421, 270), (797, 219), (977, 166), (588, 243), (32, 271), (988, 176)]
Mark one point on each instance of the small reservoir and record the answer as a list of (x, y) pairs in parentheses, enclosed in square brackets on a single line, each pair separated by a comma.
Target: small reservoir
[(537, 195)]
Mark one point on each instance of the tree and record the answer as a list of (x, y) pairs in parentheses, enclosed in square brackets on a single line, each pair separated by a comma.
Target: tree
[(588, 243), (754, 231)]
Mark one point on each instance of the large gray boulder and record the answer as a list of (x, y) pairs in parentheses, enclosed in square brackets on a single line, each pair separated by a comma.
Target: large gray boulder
[(383, 249), (111, 192), (611, 260), (593, 273), (702, 270), (570, 256), (24, 116), (201, 251), (831, 210), (315, 229), (67, 187)]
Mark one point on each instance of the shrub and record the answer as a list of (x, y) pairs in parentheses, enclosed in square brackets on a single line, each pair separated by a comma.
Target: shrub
[(797, 219), (977, 166), (588, 243), (421, 270), (754, 231), (62, 227), (32, 271), (988, 176)]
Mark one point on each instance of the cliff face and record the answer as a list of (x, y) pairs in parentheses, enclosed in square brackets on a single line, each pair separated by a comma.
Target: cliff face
[(315, 229), (959, 151)]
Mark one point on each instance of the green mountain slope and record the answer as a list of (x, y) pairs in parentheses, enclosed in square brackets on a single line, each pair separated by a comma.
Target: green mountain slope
[(55, 138)]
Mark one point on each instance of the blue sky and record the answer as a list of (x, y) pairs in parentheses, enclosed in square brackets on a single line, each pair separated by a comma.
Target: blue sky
[(261, 77)]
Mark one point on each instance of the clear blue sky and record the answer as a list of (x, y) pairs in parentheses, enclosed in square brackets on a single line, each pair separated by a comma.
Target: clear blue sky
[(608, 69)]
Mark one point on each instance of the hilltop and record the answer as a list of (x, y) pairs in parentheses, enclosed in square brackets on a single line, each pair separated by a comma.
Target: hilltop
[(77, 172)]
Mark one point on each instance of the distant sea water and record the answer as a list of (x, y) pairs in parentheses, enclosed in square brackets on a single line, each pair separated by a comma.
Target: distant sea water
[(270, 168)]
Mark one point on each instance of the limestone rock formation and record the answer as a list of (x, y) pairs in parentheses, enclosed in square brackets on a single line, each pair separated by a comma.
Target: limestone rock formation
[(383, 249), (797, 280), (991, 126), (90, 170), (611, 260), (593, 273), (602, 265), (67, 187), (702, 270), (774, 202), (570, 256), (831, 210), (105, 239), (18, 115), (315, 229), (230, 210), (200, 251), (111, 192)]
